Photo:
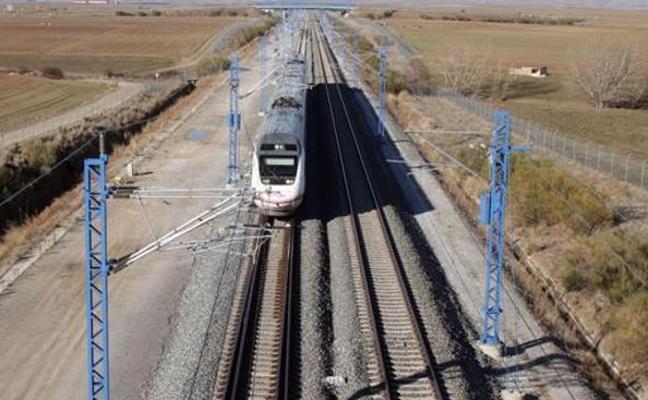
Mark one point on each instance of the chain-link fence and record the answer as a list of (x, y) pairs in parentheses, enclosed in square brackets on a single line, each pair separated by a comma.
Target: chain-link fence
[(623, 167), (123, 96)]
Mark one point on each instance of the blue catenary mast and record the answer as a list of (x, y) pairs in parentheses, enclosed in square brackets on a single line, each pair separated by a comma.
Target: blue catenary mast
[(234, 122), (96, 259), (493, 212)]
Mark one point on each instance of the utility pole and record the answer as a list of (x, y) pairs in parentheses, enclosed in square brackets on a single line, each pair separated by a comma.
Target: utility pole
[(382, 78), (95, 193), (493, 212), (234, 122)]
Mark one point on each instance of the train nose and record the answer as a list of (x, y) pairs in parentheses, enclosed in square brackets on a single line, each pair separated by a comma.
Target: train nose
[(278, 202)]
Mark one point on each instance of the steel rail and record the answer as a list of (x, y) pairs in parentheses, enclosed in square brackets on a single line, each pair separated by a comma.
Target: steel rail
[(387, 235), (378, 344), (240, 380)]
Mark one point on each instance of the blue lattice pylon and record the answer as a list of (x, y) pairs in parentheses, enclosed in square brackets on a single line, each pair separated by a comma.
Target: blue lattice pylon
[(382, 78), (234, 122), (96, 259), (493, 213)]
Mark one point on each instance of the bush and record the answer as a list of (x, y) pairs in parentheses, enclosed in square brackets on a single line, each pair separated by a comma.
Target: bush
[(608, 261), (573, 280), (396, 82), (215, 13), (212, 65), (547, 195), (630, 341), (53, 73), (370, 15), (156, 13), (142, 14), (365, 45), (121, 13), (40, 154), (388, 13), (232, 13)]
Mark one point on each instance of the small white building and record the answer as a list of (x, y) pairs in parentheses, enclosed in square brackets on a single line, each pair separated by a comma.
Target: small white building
[(535, 72)]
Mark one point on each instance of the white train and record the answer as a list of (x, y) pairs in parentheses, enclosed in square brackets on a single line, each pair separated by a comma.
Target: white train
[(278, 168)]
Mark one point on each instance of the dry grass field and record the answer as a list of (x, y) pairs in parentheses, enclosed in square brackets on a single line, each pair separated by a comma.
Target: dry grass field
[(554, 102), (24, 98), (96, 44)]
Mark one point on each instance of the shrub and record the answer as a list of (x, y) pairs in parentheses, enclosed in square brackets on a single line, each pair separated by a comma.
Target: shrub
[(388, 13), (215, 13), (212, 65), (365, 45), (142, 14), (610, 261), (370, 15), (573, 280), (547, 195), (156, 13), (112, 74), (121, 13), (630, 341), (232, 13), (40, 154), (396, 82), (53, 73)]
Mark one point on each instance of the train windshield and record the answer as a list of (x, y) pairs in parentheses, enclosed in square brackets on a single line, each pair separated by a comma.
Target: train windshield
[(279, 169)]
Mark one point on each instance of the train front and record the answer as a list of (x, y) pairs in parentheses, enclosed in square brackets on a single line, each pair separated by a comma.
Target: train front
[(279, 179)]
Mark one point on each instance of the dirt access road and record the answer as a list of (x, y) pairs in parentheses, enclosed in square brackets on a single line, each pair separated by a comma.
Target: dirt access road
[(42, 317)]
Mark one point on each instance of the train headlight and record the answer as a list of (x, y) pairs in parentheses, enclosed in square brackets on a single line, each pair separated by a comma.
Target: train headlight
[(290, 181)]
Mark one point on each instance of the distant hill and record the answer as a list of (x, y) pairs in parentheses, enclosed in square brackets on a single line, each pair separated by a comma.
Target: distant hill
[(613, 4)]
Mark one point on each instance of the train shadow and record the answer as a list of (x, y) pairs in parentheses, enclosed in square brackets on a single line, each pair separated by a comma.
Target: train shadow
[(326, 200), (324, 176)]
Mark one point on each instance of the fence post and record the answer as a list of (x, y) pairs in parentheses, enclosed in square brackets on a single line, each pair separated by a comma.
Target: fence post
[(544, 139), (643, 172), (598, 161), (627, 164)]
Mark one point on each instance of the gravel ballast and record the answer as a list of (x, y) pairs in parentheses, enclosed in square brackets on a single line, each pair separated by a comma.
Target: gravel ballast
[(188, 364)]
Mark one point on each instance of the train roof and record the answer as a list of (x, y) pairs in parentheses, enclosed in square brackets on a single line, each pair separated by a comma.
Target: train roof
[(286, 121), (291, 85)]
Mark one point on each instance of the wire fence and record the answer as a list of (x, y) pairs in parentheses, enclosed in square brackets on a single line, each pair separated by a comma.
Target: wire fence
[(623, 167), (35, 127)]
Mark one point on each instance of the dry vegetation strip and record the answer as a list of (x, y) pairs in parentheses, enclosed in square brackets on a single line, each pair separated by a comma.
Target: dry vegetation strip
[(96, 44), (26, 98)]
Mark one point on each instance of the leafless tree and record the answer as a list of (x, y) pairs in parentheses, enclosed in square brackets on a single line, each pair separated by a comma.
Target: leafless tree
[(611, 73), (462, 68)]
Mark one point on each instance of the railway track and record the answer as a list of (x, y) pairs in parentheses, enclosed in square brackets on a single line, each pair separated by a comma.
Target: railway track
[(400, 364), (255, 363)]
